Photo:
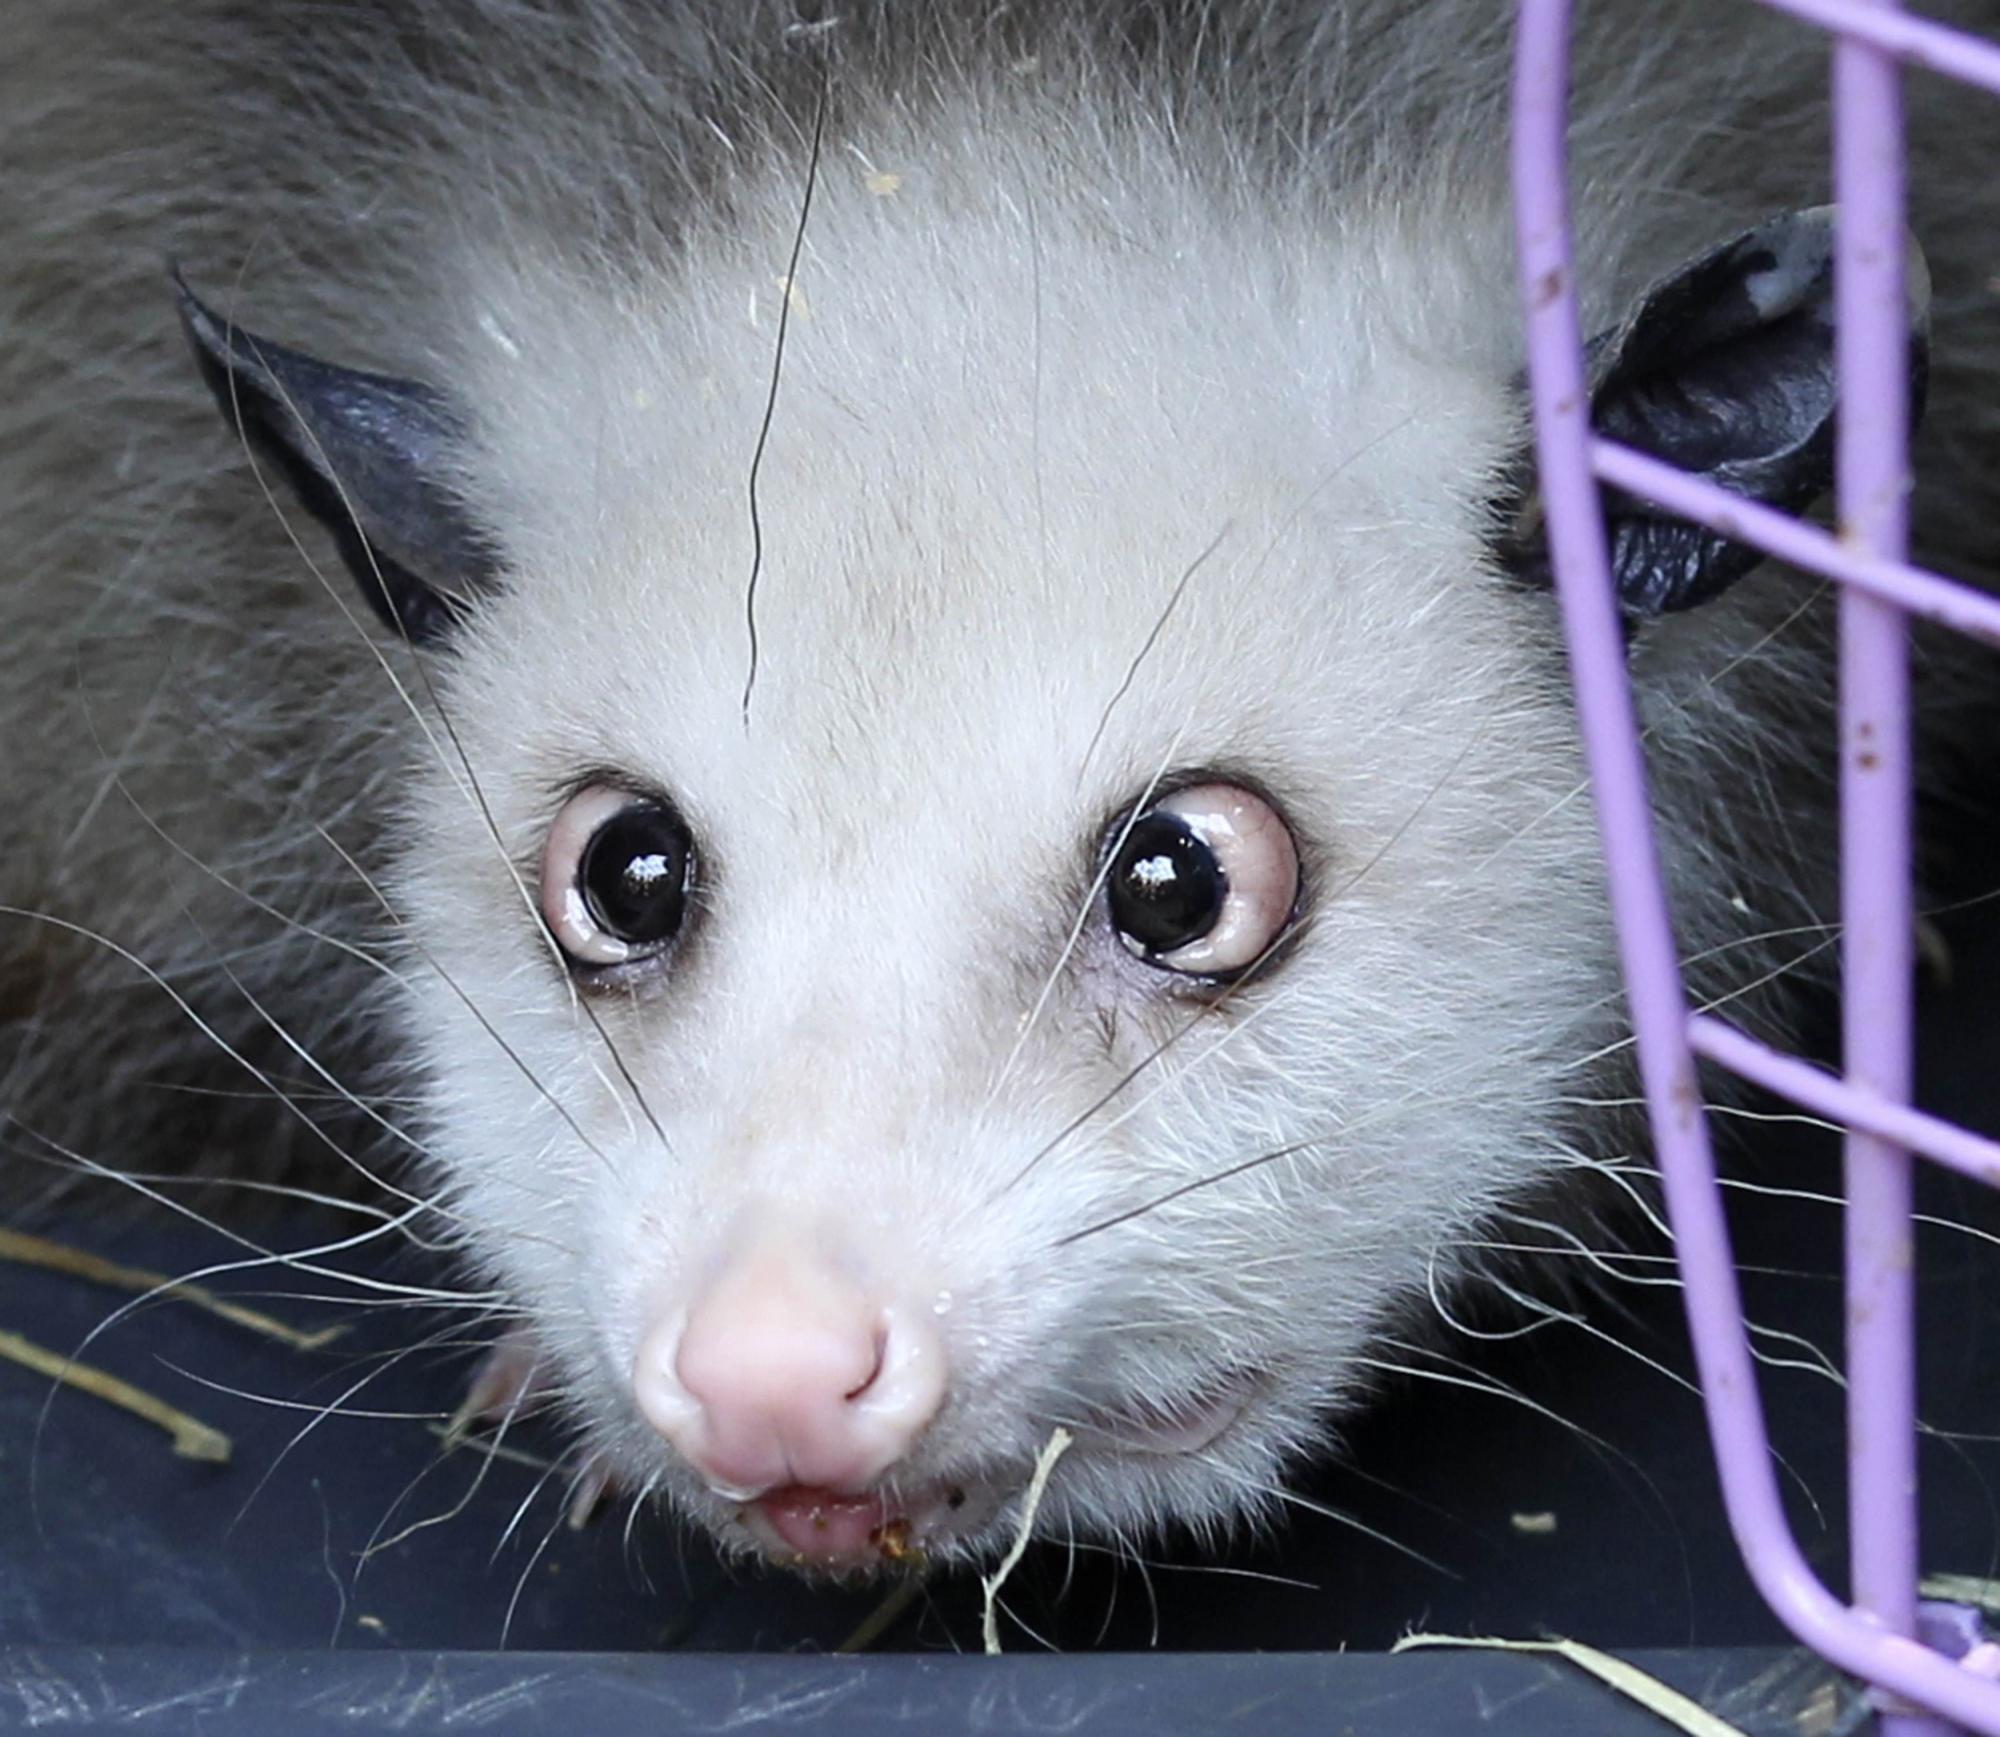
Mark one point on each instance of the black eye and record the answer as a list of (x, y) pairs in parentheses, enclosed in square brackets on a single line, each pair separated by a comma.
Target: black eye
[(1167, 889), (1205, 882), (634, 875), (615, 875)]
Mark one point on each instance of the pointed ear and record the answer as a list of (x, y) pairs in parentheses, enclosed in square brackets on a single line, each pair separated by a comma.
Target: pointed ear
[(368, 455), (1725, 370)]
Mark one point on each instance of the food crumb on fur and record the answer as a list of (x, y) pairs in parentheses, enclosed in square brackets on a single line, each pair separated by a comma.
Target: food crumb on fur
[(895, 1544)]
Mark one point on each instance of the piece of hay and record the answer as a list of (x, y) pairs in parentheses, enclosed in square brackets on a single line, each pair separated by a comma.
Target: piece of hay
[(193, 1439), (454, 1440), (37, 1251), (1045, 1461), (878, 1621), (592, 1490), (1969, 1589), (1631, 1682)]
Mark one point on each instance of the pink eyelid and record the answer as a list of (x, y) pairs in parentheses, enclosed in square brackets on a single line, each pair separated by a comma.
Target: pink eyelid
[(564, 908), (1259, 860)]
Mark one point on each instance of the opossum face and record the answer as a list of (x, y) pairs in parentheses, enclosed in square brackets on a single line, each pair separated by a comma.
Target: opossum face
[(963, 1048), (1101, 963)]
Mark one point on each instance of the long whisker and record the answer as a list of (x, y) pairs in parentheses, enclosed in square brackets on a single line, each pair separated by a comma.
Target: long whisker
[(1445, 1371), (535, 1557), (377, 1543), (1085, 906), (771, 399), (1306, 1505), (1152, 639), (1707, 683), (1279, 948), (1332, 473), (1220, 1570), (284, 1035), (339, 1406), (60, 1158), (115, 780), (1084, 1116), (326, 1560), (320, 1410), (207, 1030), (302, 1261), (472, 1007)]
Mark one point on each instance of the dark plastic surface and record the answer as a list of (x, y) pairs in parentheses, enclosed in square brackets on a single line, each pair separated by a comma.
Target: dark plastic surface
[(1354, 1695)]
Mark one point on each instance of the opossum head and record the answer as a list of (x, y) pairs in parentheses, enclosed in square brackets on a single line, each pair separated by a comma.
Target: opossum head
[(1132, 924)]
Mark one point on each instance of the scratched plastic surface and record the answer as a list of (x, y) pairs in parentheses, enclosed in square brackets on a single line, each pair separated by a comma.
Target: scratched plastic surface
[(1357, 1695)]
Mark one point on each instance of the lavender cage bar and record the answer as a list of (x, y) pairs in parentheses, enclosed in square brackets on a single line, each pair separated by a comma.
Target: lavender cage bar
[(1926, 1679)]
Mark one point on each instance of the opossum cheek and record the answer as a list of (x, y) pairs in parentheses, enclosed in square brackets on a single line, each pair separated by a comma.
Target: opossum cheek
[(788, 1384), (1187, 1424)]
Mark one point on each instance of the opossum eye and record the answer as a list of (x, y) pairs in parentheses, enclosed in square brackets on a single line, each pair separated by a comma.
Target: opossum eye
[(615, 876), (1205, 881)]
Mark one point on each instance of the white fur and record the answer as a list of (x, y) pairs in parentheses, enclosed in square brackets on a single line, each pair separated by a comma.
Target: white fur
[(1054, 333)]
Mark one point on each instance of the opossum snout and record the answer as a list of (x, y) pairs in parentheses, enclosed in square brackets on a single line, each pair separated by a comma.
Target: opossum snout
[(785, 1370)]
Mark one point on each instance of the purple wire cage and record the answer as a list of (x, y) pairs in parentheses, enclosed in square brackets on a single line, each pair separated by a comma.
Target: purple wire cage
[(1929, 1672)]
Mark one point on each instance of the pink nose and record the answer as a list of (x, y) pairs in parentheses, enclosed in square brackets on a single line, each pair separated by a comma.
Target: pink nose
[(785, 1371)]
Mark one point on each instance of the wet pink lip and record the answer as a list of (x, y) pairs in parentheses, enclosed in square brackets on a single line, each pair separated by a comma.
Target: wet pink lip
[(827, 1529)]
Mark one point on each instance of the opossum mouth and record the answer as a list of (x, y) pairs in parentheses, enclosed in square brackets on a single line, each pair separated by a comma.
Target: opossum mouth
[(819, 1528), (836, 1532)]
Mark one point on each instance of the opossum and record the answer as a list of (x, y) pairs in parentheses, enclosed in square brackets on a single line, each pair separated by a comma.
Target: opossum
[(871, 694)]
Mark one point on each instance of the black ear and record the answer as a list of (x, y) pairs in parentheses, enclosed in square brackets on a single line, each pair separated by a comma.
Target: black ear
[(1724, 370), (370, 456)]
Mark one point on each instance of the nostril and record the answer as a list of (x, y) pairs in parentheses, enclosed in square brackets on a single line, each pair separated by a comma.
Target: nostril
[(656, 1372), (907, 1384), (881, 1349)]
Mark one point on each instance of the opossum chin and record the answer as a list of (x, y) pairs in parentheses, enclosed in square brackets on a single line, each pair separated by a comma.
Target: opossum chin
[(852, 1535)]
